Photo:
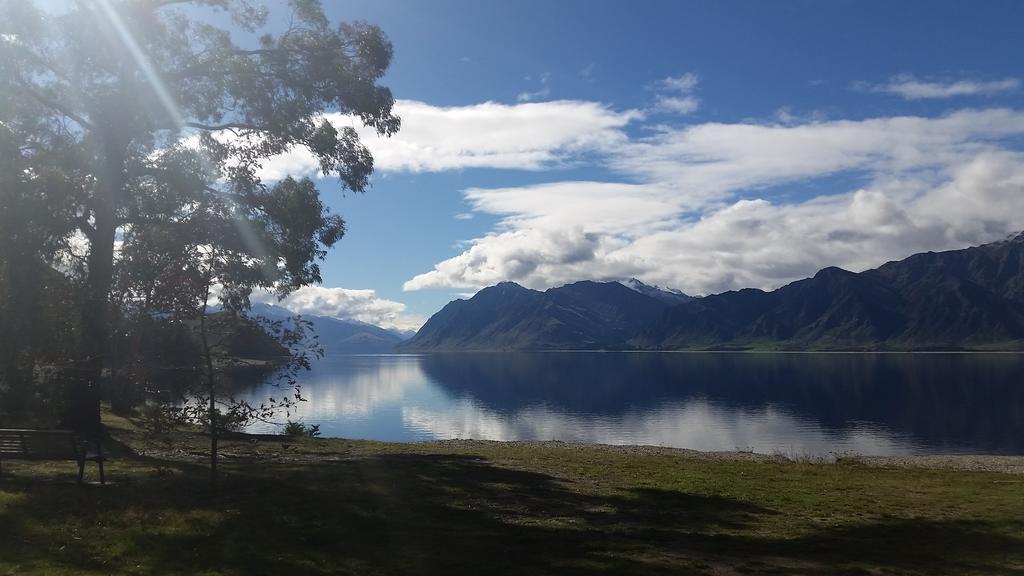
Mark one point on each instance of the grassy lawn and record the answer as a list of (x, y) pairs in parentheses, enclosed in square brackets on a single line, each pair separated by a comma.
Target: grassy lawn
[(342, 507)]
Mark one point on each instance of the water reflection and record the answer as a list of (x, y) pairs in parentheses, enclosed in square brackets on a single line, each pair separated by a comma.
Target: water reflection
[(797, 403), (698, 425), (355, 389)]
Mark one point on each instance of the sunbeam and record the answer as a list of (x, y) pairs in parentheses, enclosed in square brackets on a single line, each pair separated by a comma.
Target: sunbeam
[(143, 62)]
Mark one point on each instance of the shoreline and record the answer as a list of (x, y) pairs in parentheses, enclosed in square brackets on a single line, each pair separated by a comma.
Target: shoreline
[(1014, 352), (329, 449), (1008, 464)]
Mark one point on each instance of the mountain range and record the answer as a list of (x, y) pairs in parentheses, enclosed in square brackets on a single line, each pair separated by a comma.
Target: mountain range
[(955, 300), (580, 316), (340, 336)]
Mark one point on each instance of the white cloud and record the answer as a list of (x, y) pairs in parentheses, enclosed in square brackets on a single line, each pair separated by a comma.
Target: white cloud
[(911, 88), (712, 206), (685, 83), (346, 304), (677, 104), (711, 209), (600, 206), (532, 96), (676, 94), (463, 216), (761, 243), (529, 136), (706, 161), (534, 257), (552, 233), (543, 92)]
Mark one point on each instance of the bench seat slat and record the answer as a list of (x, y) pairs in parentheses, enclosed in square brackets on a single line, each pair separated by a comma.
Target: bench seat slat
[(48, 445)]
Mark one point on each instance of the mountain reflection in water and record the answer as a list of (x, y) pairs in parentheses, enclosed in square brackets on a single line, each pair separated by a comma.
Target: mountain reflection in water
[(792, 403)]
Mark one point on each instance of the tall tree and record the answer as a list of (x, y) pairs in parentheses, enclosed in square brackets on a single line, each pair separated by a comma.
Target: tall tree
[(163, 114), (35, 299), (175, 270)]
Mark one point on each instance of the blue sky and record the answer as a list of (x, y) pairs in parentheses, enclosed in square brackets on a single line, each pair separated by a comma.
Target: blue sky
[(699, 145)]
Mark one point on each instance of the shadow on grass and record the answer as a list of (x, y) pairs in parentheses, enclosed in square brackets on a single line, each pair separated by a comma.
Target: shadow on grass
[(441, 514)]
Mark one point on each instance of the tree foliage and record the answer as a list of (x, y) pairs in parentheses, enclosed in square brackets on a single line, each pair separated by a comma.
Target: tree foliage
[(35, 300), (147, 124)]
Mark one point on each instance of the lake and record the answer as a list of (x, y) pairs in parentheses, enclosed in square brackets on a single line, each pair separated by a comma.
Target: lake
[(797, 404)]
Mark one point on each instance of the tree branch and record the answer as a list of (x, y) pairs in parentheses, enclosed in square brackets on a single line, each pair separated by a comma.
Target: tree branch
[(225, 126), (56, 106)]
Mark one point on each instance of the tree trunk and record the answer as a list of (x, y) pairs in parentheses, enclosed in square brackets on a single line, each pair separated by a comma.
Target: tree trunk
[(84, 406), (211, 384), (214, 432), (213, 444), (95, 315)]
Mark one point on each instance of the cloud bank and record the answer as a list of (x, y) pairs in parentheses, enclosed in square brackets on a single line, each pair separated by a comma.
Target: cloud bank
[(708, 206), (718, 206)]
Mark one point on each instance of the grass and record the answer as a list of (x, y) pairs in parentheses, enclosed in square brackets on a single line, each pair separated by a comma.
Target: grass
[(351, 507)]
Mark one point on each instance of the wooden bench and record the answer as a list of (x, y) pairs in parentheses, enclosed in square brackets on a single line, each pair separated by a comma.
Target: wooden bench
[(47, 445)]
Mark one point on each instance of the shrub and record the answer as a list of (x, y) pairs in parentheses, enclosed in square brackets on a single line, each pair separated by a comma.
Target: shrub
[(298, 429)]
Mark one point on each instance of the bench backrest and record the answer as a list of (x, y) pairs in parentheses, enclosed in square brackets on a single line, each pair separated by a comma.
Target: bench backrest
[(39, 444)]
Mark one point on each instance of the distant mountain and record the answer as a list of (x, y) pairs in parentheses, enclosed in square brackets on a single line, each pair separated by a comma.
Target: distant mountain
[(835, 308), (269, 311), (961, 299), (402, 334), (242, 337), (669, 296), (353, 337), (339, 336), (584, 315)]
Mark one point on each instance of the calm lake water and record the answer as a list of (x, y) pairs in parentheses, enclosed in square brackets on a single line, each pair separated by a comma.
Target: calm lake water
[(791, 403)]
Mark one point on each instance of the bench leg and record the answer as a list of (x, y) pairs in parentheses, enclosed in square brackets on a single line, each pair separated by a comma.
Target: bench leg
[(81, 470), (103, 479)]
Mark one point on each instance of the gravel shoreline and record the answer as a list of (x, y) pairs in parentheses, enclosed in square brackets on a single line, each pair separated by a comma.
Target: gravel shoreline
[(967, 462), (268, 447), (964, 462)]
